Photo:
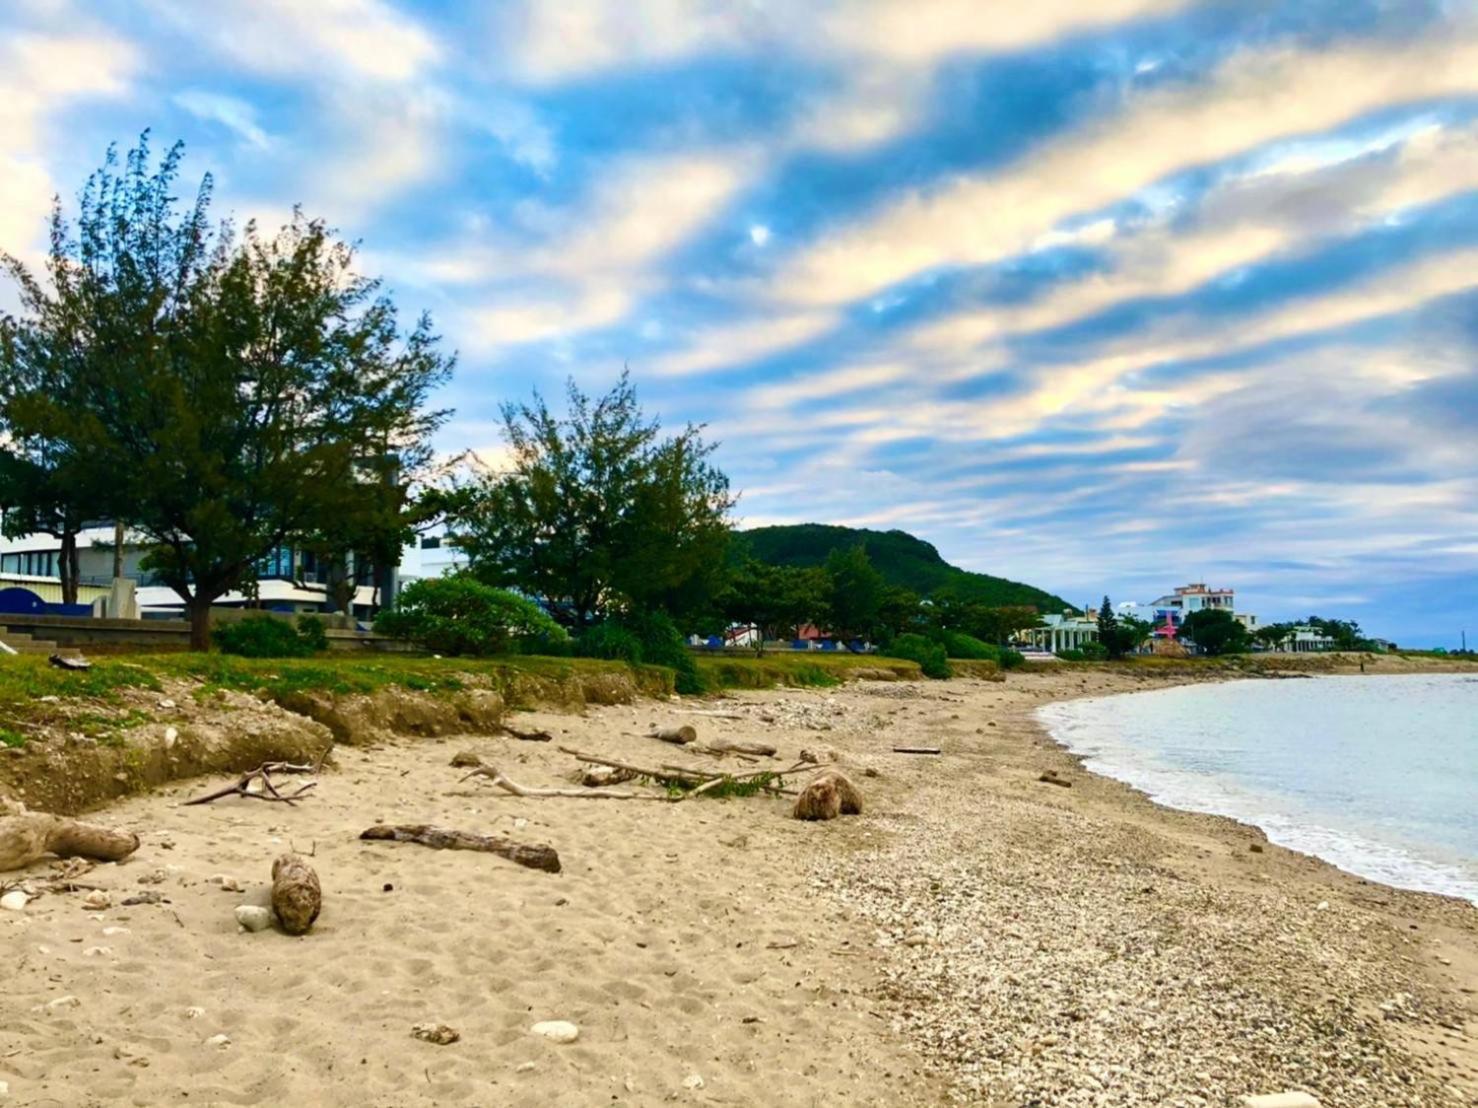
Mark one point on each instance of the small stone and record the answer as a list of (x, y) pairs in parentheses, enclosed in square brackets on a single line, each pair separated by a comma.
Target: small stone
[(97, 952), (438, 1033), (1256, 848), (14, 901), (227, 884), (693, 1081), (253, 917), (4, 1088), (170, 736), (194, 1013), (148, 896), (1280, 1100), (221, 1040), (111, 931), (63, 1002), (525, 1067), (915, 940), (557, 1031), (1322, 906), (97, 901), (166, 703)]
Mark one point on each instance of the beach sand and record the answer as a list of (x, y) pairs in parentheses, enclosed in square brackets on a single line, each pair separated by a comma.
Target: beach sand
[(976, 935)]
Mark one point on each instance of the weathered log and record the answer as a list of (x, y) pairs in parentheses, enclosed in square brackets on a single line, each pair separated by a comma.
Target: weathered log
[(27, 837), (526, 736), (916, 750), (727, 746), (679, 735), (827, 796), (297, 897), (1050, 777), (535, 856), (594, 777)]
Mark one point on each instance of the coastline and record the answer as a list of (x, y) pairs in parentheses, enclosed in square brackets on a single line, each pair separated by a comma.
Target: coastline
[(977, 935)]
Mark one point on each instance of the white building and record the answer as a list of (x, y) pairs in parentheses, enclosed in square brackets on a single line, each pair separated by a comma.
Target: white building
[(1068, 631)]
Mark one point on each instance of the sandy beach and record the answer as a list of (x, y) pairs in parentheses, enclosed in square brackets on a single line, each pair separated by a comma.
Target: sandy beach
[(976, 935)]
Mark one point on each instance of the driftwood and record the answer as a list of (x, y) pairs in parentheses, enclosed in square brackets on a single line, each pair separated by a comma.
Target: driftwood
[(727, 746), (297, 897), (1051, 777), (268, 791), (595, 777), (526, 736), (536, 856), (27, 837), (678, 735), (828, 795), (61, 661), (916, 750), (508, 785)]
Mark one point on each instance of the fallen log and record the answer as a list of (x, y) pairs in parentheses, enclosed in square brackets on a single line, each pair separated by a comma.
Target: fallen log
[(535, 856), (916, 750), (681, 736), (827, 796), (27, 837), (727, 746), (1050, 777), (297, 897)]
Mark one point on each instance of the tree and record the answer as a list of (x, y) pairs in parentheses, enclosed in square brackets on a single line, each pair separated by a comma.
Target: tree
[(1346, 633), (1215, 631), (1273, 635), (856, 592), (776, 599), (227, 394), (599, 512), (1120, 635), (900, 612), (458, 614)]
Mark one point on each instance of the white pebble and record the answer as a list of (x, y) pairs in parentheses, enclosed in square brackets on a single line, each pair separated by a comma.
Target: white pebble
[(97, 900), (253, 917), (170, 735), (194, 1013), (4, 1088), (166, 703), (115, 931), (97, 952), (1322, 906), (557, 1031), (14, 901), (221, 1040), (63, 1002), (693, 1081)]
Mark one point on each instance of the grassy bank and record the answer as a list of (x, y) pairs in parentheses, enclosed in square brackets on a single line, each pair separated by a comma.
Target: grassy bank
[(800, 670)]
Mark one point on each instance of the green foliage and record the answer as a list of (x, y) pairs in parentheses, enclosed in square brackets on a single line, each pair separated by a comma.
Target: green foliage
[(599, 512), (13, 739), (1346, 633), (612, 641), (1119, 637), (458, 614), (662, 645), (902, 559), (776, 599), (1215, 632), (959, 645), (857, 591), (930, 655), (155, 361), (949, 610), (267, 636), (1011, 659), (312, 632), (1088, 652)]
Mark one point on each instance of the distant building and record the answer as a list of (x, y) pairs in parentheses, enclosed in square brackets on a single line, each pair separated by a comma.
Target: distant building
[(1070, 630)]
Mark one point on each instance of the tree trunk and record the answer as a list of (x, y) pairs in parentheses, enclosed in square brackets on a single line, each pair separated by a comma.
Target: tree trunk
[(118, 537), (199, 608), (68, 568)]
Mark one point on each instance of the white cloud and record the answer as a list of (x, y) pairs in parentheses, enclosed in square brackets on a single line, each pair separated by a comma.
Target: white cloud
[(360, 38), (234, 114), (1252, 100), (733, 344), (40, 75)]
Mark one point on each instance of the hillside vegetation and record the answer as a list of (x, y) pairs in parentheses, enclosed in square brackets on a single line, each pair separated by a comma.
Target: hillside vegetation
[(903, 559)]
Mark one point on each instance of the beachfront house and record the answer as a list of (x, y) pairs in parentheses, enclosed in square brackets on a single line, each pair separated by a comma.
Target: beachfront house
[(1068, 630)]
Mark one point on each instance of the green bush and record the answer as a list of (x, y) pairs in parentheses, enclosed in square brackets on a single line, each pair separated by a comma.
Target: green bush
[(662, 645), (1088, 652), (311, 631), (930, 655), (458, 615), (266, 636), (1011, 659), (957, 644), (611, 641)]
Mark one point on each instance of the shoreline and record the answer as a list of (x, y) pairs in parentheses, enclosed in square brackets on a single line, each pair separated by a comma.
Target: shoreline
[(976, 936)]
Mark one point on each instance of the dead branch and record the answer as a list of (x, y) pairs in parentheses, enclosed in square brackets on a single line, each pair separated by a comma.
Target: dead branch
[(268, 790), (526, 736), (536, 856), (916, 750), (727, 746), (510, 786)]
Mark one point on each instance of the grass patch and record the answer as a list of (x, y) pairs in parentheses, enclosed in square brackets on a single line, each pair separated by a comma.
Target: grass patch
[(12, 739)]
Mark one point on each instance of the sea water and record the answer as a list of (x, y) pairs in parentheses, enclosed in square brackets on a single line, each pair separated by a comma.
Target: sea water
[(1377, 774)]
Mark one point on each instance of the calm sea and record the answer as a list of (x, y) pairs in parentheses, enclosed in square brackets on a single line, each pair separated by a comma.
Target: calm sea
[(1378, 775)]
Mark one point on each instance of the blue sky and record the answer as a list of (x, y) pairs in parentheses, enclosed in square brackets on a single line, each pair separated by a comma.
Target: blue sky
[(1106, 295)]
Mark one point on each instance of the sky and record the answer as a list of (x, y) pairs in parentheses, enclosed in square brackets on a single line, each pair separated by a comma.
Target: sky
[(1103, 295)]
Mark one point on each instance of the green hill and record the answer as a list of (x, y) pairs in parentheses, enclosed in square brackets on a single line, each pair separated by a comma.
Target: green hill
[(900, 557)]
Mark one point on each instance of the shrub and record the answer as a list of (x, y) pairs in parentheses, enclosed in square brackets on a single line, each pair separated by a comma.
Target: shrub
[(662, 645), (957, 644), (311, 631), (1088, 652), (266, 637), (1011, 659), (459, 615), (611, 641), (930, 655)]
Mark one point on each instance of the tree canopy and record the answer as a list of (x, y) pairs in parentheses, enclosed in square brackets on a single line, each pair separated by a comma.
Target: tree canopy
[(598, 511), (1215, 631), (224, 393)]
